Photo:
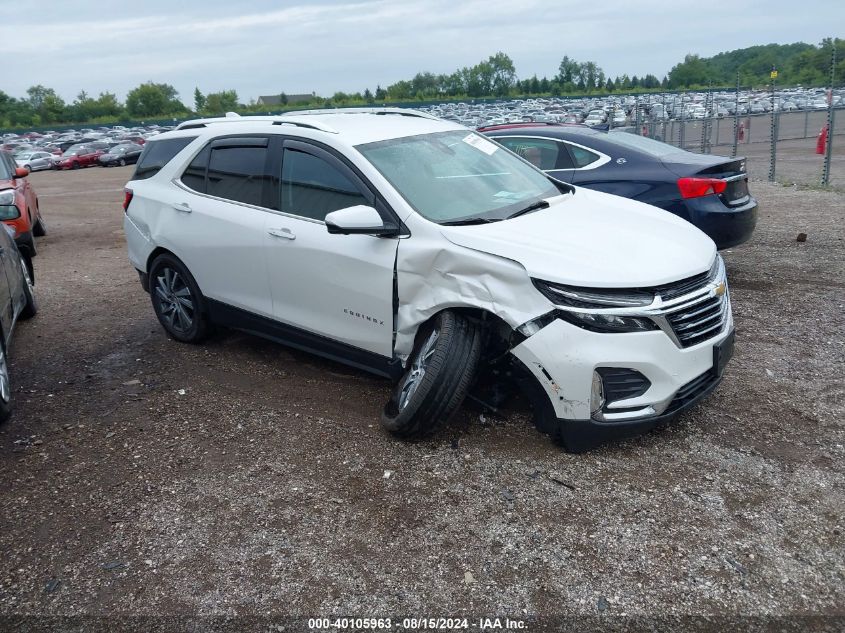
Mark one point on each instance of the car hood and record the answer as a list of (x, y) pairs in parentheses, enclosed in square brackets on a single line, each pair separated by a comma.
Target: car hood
[(597, 240)]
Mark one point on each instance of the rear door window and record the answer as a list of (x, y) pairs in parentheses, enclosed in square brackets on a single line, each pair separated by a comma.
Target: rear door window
[(237, 173), (545, 153), (157, 154), (582, 157)]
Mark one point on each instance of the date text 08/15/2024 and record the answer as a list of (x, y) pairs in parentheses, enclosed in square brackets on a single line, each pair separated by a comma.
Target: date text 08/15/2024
[(482, 624)]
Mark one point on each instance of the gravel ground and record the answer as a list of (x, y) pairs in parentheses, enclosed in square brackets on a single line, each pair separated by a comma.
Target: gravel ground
[(240, 479)]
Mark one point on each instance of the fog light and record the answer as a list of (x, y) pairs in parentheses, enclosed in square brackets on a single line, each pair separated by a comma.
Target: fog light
[(596, 395)]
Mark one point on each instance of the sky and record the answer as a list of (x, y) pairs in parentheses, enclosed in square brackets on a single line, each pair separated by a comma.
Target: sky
[(261, 47)]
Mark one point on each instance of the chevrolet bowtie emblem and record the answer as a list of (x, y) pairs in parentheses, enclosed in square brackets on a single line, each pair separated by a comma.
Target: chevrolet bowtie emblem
[(719, 290)]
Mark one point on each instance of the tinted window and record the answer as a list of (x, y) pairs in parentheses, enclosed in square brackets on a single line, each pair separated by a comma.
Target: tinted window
[(582, 157), (194, 175), (237, 173), (643, 144), (157, 154), (312, 187), (541, 152)]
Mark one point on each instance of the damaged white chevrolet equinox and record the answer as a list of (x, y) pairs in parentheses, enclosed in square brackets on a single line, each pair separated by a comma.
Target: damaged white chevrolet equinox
[(421, 251)]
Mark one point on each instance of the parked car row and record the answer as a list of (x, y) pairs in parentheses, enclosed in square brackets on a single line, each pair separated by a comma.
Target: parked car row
[(22, 222), (612, 111), (427, 253), (73, 149)]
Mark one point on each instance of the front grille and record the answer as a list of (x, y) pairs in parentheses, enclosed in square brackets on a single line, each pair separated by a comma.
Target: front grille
[(692, 390), (700, 320), (688, 285)]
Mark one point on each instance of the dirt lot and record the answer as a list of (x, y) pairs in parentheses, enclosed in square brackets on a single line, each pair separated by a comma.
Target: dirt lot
[(142, 477)]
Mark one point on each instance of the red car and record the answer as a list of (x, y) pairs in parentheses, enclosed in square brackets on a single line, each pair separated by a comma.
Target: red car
[(78, 156), (19, 205)]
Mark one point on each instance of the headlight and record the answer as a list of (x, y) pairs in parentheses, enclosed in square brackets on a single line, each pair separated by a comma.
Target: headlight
[(592, 298), (7, 197), (608, 323), (602, 301)]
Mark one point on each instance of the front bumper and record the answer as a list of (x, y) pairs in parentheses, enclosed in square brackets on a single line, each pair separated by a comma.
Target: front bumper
[(561, 359)]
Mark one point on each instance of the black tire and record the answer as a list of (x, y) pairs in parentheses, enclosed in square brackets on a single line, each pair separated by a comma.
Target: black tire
[(30, 308), (177, 300), (123, 162), (29, 247), (5, 384), (74, 165), (448, 364), (39, 229)]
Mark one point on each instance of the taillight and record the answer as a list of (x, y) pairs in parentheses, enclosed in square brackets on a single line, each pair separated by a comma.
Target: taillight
[(127, 198), (698, 187)]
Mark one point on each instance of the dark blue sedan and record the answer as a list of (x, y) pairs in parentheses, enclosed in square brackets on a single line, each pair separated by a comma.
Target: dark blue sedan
[(709, 191)]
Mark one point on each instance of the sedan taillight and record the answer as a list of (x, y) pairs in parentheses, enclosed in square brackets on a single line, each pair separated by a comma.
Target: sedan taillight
[(127, 198), (698, 187)]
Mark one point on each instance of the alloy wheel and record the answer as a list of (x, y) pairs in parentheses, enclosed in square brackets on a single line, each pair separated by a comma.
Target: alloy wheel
[(5, 387), (415, 375), (176, 304), (26, 276)]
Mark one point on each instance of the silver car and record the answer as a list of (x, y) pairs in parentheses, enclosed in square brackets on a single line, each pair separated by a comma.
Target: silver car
[(34, 161)]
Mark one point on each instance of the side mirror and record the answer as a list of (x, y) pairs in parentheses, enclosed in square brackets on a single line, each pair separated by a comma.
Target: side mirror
[(360, 219), (21, 172)]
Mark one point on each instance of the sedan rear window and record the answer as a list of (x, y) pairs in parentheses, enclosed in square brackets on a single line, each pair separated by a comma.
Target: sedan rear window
[(157, 154), (646, 145)]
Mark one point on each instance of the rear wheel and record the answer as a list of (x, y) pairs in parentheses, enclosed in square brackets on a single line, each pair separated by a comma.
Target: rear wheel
[(31, 306), (5, 385), (177, 300), (439, 374), (39, 229), (29, 247)]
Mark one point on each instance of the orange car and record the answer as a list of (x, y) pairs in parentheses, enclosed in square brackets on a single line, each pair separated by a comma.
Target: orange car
[(19, 205)]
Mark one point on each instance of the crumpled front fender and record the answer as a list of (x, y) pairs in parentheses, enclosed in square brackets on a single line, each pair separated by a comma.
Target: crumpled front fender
[(432, 278)]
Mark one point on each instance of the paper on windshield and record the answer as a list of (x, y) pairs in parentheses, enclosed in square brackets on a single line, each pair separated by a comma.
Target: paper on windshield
[(488, 147)]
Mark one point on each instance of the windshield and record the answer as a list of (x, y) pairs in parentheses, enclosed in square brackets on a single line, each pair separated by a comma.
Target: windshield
[(450, 176)]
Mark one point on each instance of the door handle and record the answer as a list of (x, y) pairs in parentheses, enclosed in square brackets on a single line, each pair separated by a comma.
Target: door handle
[(285, 233), (182, 207)]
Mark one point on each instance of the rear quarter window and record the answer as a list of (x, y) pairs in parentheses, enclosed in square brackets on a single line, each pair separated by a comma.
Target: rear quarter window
[(157, 154)]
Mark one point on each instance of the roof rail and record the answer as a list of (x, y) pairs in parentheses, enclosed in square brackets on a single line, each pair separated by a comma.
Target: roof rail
[(370, 110), (272, 120)]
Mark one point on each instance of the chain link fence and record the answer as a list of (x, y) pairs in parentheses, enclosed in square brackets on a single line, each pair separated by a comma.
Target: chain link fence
[(803, 146)]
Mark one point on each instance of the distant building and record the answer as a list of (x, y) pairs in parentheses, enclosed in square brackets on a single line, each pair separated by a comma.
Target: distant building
[(276, 100)]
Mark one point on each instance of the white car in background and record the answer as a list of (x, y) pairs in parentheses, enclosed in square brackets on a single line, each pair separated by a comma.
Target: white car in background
[(418, 250)]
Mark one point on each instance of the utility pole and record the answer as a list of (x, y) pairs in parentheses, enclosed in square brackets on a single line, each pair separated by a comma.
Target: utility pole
[(774, 128), (830, 115), (736, 118)]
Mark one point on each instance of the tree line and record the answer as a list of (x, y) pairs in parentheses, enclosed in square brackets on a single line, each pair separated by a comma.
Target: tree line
[(494, 77)]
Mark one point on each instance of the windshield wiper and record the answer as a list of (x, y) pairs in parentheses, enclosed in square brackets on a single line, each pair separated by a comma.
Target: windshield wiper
[(540, 204), (472, 220)]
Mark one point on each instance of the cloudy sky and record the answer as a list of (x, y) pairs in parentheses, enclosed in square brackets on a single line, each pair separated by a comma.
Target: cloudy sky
[(263, 47)]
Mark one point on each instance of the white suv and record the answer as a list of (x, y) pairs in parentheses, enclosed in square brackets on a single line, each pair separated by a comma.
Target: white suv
[(421, 251)]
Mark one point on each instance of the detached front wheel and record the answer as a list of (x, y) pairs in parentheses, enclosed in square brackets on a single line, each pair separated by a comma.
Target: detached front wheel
[(437, 378)]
